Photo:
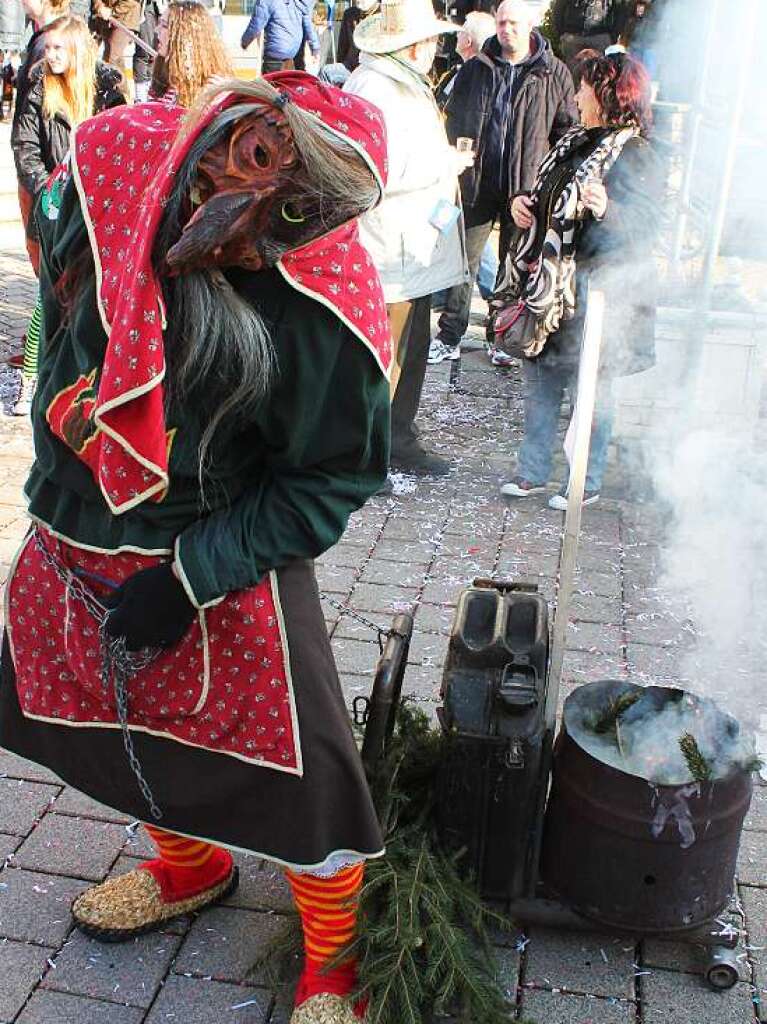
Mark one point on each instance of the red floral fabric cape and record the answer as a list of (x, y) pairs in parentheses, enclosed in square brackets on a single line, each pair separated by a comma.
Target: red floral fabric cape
[(124, 162), (225, 687)]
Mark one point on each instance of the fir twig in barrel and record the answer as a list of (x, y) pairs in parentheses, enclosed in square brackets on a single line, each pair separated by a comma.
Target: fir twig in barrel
[(699, 767), (614, 710)]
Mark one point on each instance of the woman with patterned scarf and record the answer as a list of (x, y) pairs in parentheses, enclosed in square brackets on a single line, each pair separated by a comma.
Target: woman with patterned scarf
[(590, 218)]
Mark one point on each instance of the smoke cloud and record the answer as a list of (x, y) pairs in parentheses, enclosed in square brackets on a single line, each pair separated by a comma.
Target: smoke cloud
[(695, 420)]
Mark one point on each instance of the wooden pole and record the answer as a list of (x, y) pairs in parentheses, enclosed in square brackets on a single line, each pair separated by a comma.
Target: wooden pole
[(588, 371)]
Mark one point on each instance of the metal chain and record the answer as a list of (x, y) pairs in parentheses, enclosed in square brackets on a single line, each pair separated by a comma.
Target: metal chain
[(118, 664), (121, 665), (352, 614), (75, 587)]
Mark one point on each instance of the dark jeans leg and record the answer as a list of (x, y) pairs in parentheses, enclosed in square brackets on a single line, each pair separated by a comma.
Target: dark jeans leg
[(454, 319), (412, 353)]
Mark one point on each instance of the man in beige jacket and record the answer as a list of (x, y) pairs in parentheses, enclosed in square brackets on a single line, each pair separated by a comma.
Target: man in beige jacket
[(415, 236)]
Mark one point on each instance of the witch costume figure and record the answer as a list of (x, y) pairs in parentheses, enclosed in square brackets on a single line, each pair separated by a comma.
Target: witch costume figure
[(212, 405)]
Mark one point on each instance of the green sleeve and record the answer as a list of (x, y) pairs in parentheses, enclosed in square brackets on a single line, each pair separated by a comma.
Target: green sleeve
[(324, 430)]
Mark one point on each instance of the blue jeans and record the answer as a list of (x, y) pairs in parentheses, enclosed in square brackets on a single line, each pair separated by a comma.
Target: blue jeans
[(545, 385), (488, 270)]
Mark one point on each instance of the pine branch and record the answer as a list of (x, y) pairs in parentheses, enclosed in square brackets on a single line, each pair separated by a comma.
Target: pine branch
[(423, 942), (609, 717), (699, 767)]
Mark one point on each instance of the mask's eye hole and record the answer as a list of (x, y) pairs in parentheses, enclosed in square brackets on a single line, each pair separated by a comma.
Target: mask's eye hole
[(261, 156), (291, 214)]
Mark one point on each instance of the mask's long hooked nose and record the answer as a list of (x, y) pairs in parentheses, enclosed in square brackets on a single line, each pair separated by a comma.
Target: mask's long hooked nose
[(209, 229)]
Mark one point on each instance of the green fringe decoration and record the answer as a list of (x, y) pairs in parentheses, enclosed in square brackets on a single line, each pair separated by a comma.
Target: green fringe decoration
[(699, 767), (609, 717)]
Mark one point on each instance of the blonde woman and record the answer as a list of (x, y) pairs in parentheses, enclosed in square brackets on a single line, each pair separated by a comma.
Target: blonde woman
[(190, 53), (40, 13), (66, 87)]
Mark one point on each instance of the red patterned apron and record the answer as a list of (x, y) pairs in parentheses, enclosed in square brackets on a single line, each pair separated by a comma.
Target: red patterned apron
[(224, 687)]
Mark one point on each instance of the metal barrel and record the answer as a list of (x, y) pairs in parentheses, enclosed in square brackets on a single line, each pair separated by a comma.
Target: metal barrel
[(601, 858)]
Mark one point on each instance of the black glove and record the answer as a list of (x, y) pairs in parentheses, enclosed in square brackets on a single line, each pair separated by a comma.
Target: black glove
[(150, 609)]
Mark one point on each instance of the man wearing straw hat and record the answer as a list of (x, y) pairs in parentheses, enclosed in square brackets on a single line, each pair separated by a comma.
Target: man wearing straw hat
[(415, 237)]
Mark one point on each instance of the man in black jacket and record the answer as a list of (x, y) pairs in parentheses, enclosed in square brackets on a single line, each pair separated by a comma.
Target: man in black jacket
[(513, 101)]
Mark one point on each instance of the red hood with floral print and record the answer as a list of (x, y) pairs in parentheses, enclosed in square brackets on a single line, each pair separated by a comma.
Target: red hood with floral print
[(124, 162)]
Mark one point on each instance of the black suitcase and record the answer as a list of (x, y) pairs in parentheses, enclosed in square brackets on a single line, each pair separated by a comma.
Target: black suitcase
[(491, 788)]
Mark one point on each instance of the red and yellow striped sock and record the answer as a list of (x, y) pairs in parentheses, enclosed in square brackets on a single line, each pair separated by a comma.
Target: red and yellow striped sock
[(328, 909), (186, 867)]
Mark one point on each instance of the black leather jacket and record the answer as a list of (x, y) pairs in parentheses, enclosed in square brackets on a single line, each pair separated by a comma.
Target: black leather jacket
[(584, 18), (40, 143)]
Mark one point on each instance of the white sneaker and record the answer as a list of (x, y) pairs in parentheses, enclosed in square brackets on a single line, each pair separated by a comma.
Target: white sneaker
[(439, 352), (559, 501), (518, 487), (23, 405)]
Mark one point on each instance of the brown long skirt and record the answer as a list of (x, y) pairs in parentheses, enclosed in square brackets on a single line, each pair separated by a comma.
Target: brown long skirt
[(295, 820)]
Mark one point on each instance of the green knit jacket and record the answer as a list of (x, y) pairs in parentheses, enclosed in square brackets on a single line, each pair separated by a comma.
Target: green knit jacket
[(278, 487)]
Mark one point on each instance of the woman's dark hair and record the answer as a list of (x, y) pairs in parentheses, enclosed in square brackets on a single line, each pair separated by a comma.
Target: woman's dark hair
[(622, 86)]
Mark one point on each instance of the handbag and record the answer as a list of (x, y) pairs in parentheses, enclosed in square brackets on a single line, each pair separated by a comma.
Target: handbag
[(514, 329)]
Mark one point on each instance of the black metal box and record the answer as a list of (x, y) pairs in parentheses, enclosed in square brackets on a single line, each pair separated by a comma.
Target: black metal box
[(490, 789)]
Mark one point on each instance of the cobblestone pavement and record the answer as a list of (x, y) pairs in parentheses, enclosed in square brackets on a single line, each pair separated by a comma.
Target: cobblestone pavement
[(414, 550)]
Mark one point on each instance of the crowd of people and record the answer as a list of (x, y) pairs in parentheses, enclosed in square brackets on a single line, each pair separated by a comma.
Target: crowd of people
[(477, 156), (496, 112), (226, 360)]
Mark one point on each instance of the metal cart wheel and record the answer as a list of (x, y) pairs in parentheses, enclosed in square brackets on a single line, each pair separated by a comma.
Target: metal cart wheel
[(721, 972)]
